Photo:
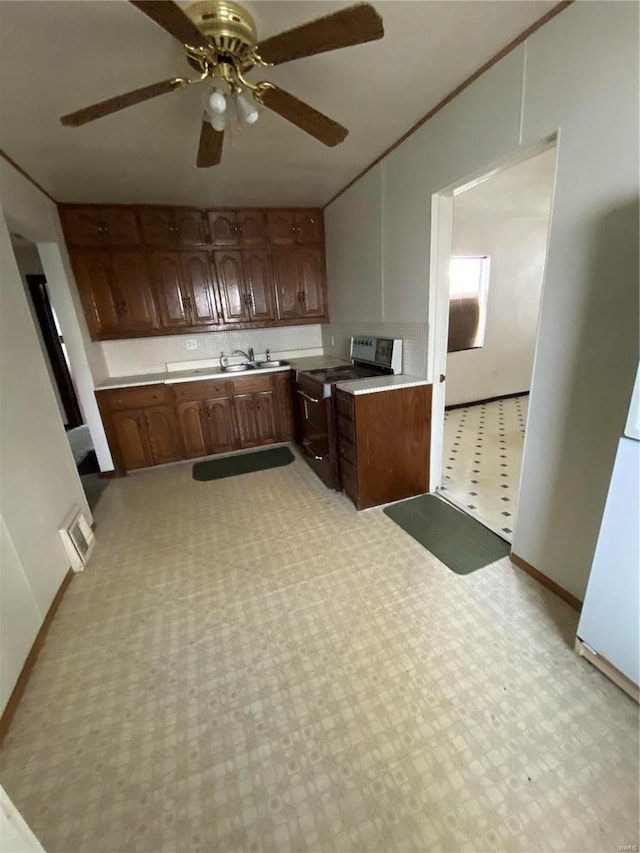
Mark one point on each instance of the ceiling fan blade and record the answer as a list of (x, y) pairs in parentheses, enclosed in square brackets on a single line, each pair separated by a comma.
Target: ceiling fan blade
[(320, 126), (210, 147), (172, 19), (354, 25), (113, 105)]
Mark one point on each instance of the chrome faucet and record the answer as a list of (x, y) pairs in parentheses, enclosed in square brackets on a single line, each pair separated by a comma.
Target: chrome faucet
[(250, 356)]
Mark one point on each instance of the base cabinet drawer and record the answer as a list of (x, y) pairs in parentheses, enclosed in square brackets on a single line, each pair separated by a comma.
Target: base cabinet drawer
[(347, 450)]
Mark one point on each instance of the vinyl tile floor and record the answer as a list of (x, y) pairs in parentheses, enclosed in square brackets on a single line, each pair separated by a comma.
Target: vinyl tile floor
[(249, 664), (482, 457)]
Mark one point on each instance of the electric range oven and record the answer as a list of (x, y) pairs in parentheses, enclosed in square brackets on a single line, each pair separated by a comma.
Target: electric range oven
[(315, 406)]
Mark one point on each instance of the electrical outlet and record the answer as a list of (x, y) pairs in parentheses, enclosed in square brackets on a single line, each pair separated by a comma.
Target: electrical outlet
[(192, 343)]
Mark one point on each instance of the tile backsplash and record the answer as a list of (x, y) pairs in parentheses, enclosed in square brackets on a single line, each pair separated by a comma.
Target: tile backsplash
[(414, 341), (150, 355)]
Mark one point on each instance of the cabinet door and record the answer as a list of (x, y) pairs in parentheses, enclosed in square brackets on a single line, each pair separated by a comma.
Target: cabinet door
[(162, 434), (283, 402), (137, 308), (308, 226), (156, 224), (189, 227), (312, 281), (166, 272), (252, 226), (192, 429), (258, 281), (245, 420), (265, 419), (130, 431), (198, 277), (233, 297), (287, 285), (100, 226), (282, 227), (94, 277), (221, 424), (223, 227)]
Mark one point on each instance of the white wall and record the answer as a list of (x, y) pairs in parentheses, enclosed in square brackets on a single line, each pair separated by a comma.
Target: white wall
[(507, 218), (577, 76), (150, 355), (39, 484)]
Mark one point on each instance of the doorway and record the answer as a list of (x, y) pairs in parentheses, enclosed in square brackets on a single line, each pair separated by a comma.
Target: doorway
[(489, 288)]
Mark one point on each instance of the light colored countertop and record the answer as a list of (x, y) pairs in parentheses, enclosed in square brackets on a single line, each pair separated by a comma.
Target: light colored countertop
[(210, 371), (381, 383), (171, 377)]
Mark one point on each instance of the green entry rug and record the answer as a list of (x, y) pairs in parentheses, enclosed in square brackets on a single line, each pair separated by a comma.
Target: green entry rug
[(461, 542), (244, 463)]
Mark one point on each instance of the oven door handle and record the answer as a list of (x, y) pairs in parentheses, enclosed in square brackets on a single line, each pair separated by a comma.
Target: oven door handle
[(306, 443), (307, 397)]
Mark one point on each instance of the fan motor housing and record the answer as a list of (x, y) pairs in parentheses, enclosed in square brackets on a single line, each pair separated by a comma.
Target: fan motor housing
[(230, 27)]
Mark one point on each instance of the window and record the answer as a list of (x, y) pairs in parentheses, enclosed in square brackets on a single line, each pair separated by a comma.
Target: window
[(468, 291)]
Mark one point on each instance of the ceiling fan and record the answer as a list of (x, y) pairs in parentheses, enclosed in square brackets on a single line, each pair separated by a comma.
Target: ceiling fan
[(221, 44)]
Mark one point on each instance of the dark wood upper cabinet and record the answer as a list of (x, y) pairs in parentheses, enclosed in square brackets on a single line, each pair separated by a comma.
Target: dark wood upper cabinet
[(199, 280), (308, 225), (100, 226), (173, 226), (282, 227), (252, 228), (154, 270), (238, 228), (223, 228), (115, 288), (233, 297), (258, 280), (312, 278), (133, 282), (97, 288), (295, 227), (287, 285), (166, 271)]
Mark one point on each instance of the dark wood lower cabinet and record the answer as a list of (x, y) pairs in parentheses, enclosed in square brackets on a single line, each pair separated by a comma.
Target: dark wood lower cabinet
[(383, 444), (154, 424), (207, 426), (256, 419), (147, 436)]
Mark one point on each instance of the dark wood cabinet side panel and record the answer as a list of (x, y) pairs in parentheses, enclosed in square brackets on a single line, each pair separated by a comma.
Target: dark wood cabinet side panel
[(392, 461), (283, 401)]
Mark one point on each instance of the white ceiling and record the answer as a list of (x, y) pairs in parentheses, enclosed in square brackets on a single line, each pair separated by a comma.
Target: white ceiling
[(57, 56)]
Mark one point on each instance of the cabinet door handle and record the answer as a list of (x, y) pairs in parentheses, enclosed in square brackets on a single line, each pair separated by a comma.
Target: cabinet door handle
[(124, 306), (307, 448), (139, 422), (146, 420), (187, 302), (307, 397)]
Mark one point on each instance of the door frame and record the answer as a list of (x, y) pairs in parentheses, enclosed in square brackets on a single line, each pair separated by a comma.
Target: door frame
[(39, 294), (438, 302)]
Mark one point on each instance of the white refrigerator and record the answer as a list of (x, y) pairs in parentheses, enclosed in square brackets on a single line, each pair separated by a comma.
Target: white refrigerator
[(609, 627)]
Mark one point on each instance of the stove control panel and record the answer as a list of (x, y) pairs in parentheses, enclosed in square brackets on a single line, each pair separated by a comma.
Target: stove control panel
[(383, 352)]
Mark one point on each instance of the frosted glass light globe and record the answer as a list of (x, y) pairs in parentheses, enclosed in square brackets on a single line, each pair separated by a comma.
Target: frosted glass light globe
[(217, 102)]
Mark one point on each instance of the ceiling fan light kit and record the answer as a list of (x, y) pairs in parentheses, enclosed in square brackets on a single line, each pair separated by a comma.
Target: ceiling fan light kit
[(221, 44)]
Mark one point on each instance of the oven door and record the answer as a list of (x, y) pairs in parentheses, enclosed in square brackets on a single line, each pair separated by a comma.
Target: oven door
[(315, 429)]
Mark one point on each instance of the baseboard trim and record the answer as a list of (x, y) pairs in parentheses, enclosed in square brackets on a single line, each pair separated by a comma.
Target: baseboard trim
[(608, 669), (487, 400), (108, 475), (23, 678), (560, 591)]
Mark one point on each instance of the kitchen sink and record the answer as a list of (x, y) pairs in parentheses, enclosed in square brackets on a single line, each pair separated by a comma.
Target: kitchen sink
[(273, 363), (237, 368)]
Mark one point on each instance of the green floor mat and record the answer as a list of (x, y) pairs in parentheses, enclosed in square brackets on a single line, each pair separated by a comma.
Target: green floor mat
[(243, 463), (461, 542)]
